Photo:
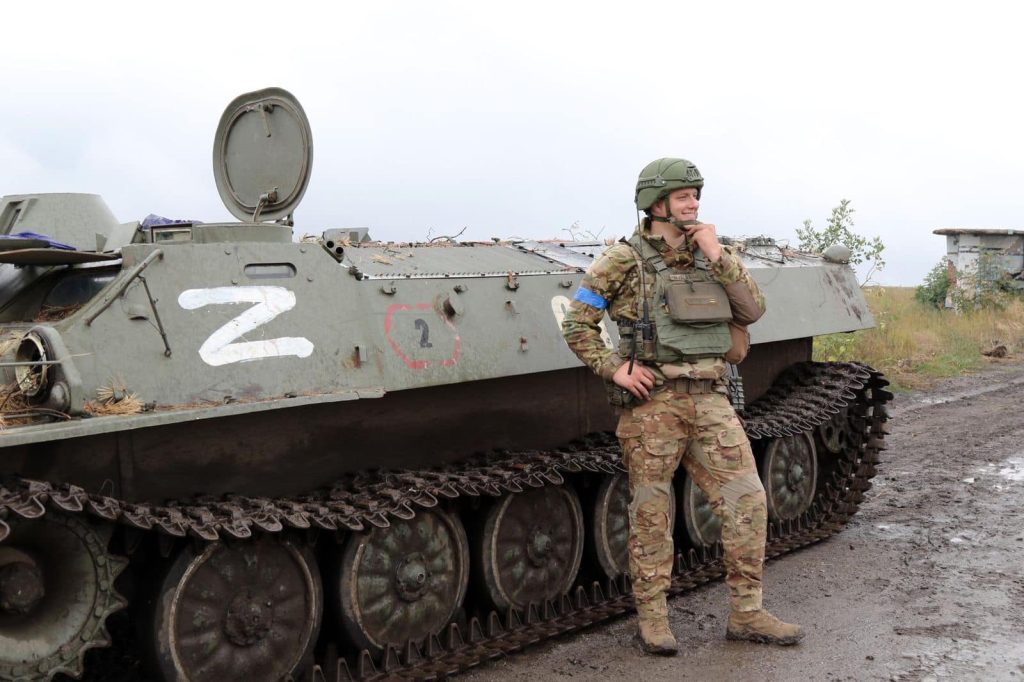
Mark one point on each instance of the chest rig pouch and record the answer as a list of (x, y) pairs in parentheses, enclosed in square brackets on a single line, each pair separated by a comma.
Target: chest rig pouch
[(693, 299), (690, 310)]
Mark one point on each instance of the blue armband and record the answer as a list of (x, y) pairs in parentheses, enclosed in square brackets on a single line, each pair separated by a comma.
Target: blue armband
[(590, 298)]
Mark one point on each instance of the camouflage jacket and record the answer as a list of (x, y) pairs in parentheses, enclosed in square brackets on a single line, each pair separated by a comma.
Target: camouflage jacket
[(612, 283)]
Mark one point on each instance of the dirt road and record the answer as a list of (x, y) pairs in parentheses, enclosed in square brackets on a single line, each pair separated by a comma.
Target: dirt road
[(926, 583)]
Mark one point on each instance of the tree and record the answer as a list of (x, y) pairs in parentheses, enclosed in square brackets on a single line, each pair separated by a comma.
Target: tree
[(839, 231)]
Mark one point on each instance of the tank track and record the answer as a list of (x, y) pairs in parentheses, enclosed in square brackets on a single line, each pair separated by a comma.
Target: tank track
[(804, 397)]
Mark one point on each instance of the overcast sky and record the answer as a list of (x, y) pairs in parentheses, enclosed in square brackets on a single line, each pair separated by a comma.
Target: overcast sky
[(521, 119)]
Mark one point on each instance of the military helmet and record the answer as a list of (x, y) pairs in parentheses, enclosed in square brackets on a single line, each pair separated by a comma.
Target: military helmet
[(660, 177)]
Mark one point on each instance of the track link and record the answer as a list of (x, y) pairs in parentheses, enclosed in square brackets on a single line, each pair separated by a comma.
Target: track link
[(804, 397)]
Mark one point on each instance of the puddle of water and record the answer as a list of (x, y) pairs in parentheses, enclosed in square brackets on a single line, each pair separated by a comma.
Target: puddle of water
[(1014, 469), (1010, 470)]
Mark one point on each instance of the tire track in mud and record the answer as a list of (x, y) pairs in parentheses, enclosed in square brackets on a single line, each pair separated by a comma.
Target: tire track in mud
[(955, 470)]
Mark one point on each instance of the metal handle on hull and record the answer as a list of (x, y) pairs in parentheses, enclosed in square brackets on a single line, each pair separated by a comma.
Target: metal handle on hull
[(132, 274), (135, 272)]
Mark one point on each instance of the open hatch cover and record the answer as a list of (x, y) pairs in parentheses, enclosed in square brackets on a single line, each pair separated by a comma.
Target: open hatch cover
[(262, 155)]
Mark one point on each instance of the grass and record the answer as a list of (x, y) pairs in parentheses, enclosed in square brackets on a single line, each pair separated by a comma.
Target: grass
[(914, 344)]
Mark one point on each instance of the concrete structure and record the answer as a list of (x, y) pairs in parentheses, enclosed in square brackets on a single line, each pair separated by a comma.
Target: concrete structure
[(1002, 248)]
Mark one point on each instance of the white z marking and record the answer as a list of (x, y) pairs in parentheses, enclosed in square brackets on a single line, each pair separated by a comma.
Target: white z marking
[(270, 302)]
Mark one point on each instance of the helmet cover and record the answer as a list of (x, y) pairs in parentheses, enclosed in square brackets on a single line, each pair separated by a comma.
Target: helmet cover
[(662, 176)]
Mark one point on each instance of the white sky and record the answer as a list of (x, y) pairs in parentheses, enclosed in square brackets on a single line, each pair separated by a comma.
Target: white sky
[(520, 119)]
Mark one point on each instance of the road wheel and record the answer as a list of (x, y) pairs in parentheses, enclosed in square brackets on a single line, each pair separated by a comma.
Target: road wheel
[(531, 546), (246, 610), (403, 582), (789, 471)]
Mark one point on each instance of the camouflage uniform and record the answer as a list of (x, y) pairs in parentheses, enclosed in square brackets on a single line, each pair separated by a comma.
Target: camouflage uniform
[(700, 429)]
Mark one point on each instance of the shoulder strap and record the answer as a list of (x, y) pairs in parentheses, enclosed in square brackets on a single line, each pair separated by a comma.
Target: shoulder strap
[(653, 257), (648, 253), (636, 248), (633, 250)]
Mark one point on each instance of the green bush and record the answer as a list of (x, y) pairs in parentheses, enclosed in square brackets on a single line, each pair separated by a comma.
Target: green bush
[(835, 348), (936, 285)]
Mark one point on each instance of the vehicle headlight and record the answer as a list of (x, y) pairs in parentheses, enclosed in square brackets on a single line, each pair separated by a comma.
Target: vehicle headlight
[(33, 377)]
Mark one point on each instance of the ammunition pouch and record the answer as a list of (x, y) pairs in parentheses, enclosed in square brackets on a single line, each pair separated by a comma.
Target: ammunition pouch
[(619, 397)]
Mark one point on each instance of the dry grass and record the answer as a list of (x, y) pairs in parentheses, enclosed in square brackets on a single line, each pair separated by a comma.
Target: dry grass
[(52, 313), (127, 405), (915, 344), (12, 402), (114, 399)]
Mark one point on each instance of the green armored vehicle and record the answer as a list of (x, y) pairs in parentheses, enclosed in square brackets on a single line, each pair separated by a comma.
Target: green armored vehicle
[(344, 459)]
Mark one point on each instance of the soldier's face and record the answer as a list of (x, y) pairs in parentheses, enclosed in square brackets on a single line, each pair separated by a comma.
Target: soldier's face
[(681, 204)]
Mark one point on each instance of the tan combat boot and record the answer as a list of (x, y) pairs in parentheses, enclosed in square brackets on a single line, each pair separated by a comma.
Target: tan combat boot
[(761, 626), (656, 637)]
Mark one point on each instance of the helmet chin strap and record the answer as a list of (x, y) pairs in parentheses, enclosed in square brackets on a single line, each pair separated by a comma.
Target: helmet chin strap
[(663, 219)]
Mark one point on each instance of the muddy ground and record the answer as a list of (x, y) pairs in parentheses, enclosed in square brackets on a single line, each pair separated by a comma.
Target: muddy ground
[(926, 583)]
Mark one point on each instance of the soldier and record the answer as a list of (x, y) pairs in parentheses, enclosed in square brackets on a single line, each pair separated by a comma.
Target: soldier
[(667, 381)]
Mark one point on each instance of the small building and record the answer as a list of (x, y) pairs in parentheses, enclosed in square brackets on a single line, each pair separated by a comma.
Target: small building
[(1000, 252)]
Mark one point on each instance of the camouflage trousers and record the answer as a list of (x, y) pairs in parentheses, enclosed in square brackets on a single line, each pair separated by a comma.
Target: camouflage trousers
[(703, 432)]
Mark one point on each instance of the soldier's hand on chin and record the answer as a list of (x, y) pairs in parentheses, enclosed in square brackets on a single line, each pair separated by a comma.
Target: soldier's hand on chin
[(705, 237), (639, 383)]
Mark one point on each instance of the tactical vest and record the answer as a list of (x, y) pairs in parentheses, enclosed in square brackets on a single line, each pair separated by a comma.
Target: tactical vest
[(674, 341)]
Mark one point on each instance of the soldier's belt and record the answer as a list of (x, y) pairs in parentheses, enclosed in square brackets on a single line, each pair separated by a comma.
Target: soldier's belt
[(694, 386), (621, 398)]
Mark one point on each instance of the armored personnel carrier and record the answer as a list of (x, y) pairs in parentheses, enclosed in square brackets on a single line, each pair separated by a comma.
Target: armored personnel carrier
[(339, 458)]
